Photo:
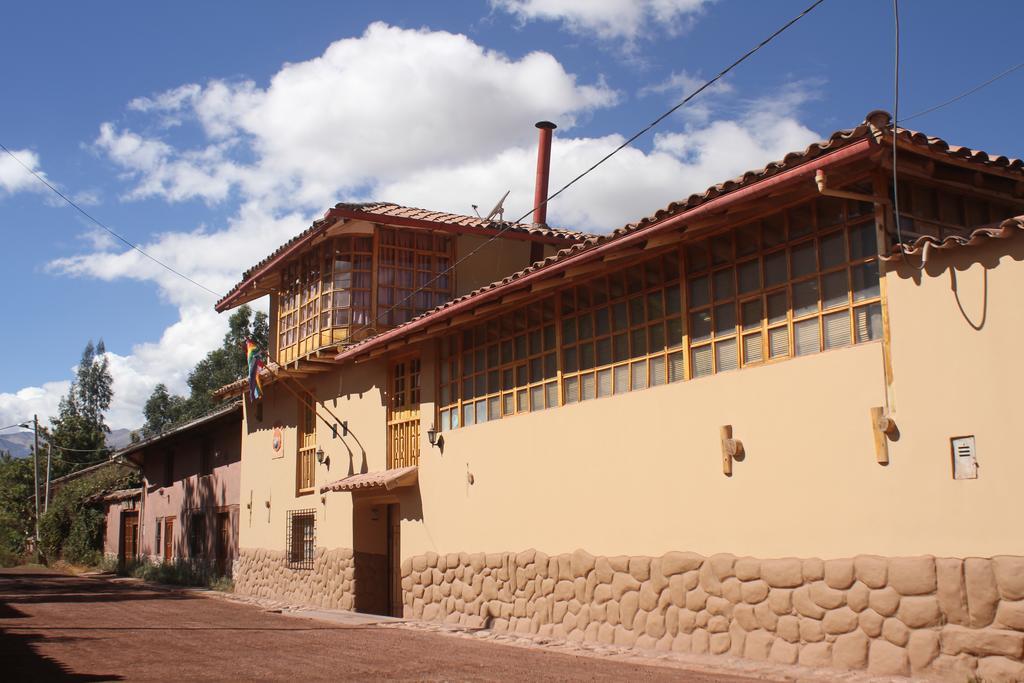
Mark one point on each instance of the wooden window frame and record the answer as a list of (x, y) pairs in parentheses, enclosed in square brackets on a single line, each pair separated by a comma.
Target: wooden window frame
[(305, 445), (403, 415), (826, 220)]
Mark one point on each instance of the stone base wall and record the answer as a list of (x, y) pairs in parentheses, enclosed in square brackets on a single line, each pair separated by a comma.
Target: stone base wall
[(947, 618), (266, 574)]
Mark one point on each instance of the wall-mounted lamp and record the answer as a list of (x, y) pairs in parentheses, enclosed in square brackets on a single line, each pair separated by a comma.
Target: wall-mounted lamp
[(434, 438), (320, 455)]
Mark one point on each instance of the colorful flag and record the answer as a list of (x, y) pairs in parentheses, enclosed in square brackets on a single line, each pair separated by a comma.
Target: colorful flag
[(252, 357)]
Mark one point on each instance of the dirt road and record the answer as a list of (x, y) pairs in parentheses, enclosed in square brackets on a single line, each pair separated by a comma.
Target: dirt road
[(58, 627)]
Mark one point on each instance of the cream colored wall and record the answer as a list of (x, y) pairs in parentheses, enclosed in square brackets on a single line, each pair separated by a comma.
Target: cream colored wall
[(950, 380), (353, 395), (494, 261), (641, 473)]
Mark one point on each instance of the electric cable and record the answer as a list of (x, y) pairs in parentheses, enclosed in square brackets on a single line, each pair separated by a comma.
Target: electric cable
[(97, 222), (506, 226), (964, 94)]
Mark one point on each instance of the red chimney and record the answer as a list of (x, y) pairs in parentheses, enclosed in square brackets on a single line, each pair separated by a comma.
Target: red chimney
[(540, 207)]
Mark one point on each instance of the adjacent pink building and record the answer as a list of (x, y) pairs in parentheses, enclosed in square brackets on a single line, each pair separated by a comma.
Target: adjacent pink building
[(188, 503)]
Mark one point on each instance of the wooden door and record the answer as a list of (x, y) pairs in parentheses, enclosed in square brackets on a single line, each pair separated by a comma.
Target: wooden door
[(394, 562), (223, 541), (404, 414), (129, 537), (168, 539)]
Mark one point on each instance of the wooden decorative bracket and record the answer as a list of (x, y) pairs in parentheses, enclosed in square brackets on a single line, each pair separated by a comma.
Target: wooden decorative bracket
[(883, 427), (732, 449)]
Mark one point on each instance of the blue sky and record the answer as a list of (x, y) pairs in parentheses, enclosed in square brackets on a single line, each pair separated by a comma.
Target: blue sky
[(210, 132)]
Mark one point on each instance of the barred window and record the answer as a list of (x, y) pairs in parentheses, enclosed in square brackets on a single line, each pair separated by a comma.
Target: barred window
[(301, 538), (796, 283)]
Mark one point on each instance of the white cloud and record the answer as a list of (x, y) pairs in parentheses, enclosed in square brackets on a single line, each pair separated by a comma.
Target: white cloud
[(372, 108), (607, 19), (24, 403), (14, 177), (416, 117)]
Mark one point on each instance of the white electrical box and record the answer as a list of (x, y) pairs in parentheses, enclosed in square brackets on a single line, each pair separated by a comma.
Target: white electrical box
[(965, 458)]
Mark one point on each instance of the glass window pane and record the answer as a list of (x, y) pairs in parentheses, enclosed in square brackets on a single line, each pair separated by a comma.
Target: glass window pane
[(636, 311), (571, 389), (586, 356), (700, 361), (805, 297), (775, 271), (800, 221), (672, 300), (620, 320), (697, 257), (602, 321), (551, 394), (522, 404), (862, 241), (778, 342), (832, 250), (604, 351), (777, 307), (837, 329), (674, 332), (751, 313), (481, 412), (725, 319), (698, 292), (638, 375), (830, 211), (723, 284), (747, 239), (467, 415), (508, 404), (657, 370), (721, 249), (656, 337), (805, 337), (570, 360), (604, 382), (834, 289), (725, 355), (620, 347), (621, 376), (700, 326), (586, 323), (588, 386), (638, 342), (537, 398), (868, 322), (568, 332), (749, 276), (865, 281), (675, 367), (655, 306), (773, 230), (802, 259), (752, 352), (493, 407)]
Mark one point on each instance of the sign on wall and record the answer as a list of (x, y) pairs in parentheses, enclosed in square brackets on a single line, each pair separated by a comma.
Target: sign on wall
[(277, 443)]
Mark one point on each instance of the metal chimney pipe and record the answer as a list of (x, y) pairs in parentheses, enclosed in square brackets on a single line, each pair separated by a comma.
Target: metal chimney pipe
[(540, 207)]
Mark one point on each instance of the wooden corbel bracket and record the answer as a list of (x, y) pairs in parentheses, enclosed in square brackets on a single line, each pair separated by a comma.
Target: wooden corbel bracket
[(732, 449), (883, 427)]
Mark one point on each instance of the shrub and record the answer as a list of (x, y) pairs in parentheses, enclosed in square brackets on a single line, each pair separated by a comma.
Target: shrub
[(85, 537)]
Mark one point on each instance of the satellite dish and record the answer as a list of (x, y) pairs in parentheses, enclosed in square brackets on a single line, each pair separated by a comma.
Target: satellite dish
[(499, 208)]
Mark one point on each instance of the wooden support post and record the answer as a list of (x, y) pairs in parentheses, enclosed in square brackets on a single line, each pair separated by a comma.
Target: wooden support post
[(881, 424), (730, 449)]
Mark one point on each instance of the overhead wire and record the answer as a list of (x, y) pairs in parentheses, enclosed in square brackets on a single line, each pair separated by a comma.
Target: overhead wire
[(100, 224), (964, 94), (896, 118), (507, 226)]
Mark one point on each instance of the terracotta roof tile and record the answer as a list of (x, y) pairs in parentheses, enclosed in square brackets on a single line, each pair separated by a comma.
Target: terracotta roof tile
[(877, 125), (384, 210), (388, 480), (979, 236)]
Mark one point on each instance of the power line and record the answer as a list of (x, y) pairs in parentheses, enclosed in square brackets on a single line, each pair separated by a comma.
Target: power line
[(964, 94), (603, 159), (895, 118), (97, 222)]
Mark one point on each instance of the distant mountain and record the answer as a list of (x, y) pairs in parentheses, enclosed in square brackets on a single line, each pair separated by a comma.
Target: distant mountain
[(19, 444)]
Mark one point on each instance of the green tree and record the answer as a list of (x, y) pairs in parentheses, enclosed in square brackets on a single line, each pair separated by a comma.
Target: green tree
[(79, 431), (220, 366), (16, 513), (162, 410)]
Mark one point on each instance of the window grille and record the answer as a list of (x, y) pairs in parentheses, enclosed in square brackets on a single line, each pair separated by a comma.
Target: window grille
[(300, 538)]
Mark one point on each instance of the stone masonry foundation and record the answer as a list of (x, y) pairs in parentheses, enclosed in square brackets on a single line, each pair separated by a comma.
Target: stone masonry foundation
[(945, 618), (948, 618), (266, 574)]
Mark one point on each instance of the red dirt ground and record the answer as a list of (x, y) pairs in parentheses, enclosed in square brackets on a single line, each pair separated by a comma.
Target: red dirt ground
[(54, 626)]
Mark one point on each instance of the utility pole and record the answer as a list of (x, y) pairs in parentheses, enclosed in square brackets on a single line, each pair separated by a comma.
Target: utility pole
[(35, 479), (46, 499)]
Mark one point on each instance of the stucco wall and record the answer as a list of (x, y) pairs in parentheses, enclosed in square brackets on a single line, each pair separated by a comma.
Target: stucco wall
[(189, 490), (112, 525), (493, 262), (353, 395)]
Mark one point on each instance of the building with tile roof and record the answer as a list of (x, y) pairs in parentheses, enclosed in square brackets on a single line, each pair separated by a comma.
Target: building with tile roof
[(767, 420)]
